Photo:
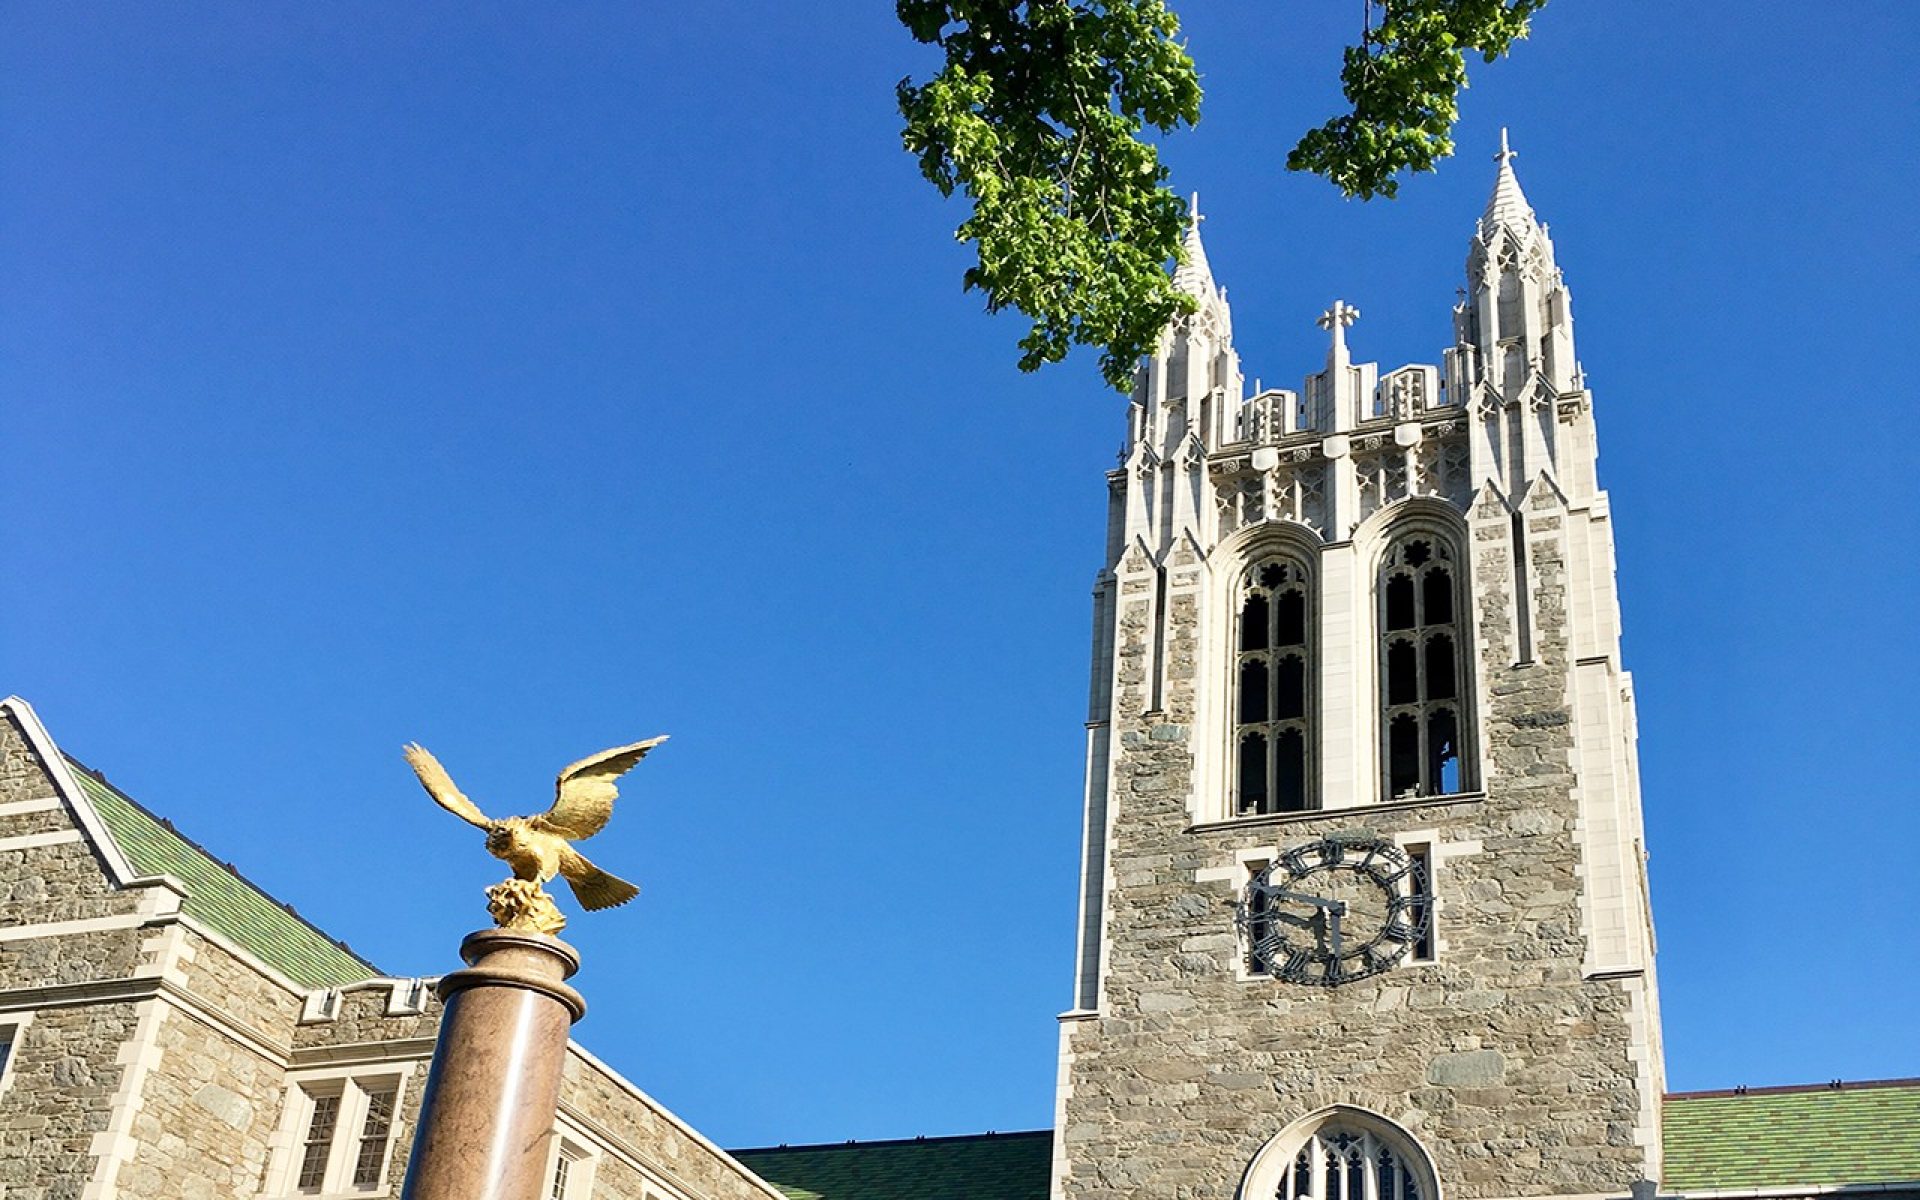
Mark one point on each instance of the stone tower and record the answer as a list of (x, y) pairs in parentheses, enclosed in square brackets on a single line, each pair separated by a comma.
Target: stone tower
[(1364, 909)]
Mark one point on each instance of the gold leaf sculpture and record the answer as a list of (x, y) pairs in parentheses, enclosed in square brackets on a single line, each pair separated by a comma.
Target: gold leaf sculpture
[(539, 847)]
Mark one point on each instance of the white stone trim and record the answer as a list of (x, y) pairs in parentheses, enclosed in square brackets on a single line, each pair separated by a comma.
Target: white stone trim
[(363, 1055), (33, 841), (1062, 1093), (583, 1155), (14, 1026), (118, 868), (406, 997), (63, 995), (353, 1086), (21, 808), (1243, 865), (115, 1145), (1643, 1051), (1267, 1171), (1350, 812), (1439, 853), (241, 953), (54, 929)]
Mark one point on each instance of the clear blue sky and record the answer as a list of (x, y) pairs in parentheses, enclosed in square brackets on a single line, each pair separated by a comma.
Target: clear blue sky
[(528, 379)]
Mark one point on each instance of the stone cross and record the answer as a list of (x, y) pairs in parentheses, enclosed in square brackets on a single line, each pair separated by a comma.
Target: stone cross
[(1507, 154), (1336, 320)]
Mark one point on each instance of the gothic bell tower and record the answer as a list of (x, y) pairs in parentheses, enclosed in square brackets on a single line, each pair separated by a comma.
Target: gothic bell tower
[(1364, 910)]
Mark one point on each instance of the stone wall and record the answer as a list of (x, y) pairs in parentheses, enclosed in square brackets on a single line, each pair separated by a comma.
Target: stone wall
[(59, 1096), (1513, 1069), (644, 1143), (151, 1061), (206, 1109), (230, 984), (66, 1065)]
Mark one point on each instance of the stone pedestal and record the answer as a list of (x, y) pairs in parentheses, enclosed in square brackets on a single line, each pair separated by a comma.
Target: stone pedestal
[(487, 1117)]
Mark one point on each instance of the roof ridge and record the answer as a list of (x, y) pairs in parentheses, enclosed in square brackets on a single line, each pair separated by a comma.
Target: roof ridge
[(175, 831), (855, 1144), (1836, 1085)]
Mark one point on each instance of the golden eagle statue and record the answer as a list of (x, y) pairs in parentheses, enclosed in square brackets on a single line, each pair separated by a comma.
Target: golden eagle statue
[(538, 847)]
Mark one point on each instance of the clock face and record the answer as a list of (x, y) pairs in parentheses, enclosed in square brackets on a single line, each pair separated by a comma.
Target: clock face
[(1333, 911)]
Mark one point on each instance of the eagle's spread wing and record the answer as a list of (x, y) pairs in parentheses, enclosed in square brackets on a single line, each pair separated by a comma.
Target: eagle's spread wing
[(585, 794), (439, 785), (592, 887)]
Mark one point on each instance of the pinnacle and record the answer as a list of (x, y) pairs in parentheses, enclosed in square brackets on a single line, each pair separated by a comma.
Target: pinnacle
[(1194, 276), (1508, 205)]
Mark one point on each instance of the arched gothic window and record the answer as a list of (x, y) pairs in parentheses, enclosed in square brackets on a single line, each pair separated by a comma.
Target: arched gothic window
[(1423, 689), (1346, 1161), (1273, 691)]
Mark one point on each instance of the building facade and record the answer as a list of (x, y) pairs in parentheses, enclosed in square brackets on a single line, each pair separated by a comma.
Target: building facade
[(1365, 908), (170, 1032)]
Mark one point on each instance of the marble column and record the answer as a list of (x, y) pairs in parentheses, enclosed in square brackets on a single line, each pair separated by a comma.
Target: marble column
[(486, 1122)]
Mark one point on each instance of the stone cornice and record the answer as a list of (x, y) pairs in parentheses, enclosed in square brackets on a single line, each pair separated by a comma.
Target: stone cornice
[(354, 1054), (1352, 812)]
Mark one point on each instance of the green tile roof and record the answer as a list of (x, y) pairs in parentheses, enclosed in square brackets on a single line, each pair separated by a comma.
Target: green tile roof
[(219, 896), (1783, 1137), (1860, 1133), (991, 1166)]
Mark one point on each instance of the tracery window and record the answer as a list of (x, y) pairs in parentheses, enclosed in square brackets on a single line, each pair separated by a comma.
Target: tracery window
[(1273, 691), (1341, 1161), (1422, 669)]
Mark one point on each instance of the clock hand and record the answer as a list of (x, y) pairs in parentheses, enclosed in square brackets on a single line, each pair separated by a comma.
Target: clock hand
[(1316, 901), (1333, 923)]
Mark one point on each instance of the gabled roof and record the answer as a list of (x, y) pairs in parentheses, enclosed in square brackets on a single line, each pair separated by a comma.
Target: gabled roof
[(989, 1166), (136, 847), (218, 895), (1824, 1135)]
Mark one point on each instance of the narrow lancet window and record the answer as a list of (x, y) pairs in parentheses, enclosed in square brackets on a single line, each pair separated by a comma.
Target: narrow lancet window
[(1273, 701), (1422, 670)]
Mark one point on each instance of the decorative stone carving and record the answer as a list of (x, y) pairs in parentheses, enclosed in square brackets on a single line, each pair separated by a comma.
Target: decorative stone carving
[(1382, 477)]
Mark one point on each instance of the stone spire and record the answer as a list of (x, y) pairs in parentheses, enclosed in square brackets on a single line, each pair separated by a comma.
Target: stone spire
[(1508, 206), (1194, 276)]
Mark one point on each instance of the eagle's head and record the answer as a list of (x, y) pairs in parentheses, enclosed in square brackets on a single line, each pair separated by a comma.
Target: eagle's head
[(499, 836)]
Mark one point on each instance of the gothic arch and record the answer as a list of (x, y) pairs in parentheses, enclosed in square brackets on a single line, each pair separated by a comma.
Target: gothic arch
[(1387, 1161), (1406, 703), (1413, 512), (1270, 688), (1247, 543)]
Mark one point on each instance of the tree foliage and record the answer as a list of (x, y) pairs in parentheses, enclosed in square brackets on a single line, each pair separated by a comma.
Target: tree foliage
[(1404, 82), (1038, 116)]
